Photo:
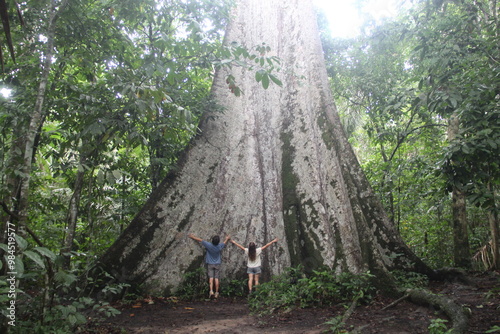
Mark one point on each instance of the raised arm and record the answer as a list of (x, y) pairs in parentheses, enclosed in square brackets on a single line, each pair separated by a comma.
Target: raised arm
[(227, 239), (269, 244), (237, 244), (192, 236)]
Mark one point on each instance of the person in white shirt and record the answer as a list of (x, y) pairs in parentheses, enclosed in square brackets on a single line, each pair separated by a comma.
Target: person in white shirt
[(253, 261)]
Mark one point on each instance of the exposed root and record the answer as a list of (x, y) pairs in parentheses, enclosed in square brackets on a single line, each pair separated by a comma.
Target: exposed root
[(452, 275), (454, 311), (350, 311)]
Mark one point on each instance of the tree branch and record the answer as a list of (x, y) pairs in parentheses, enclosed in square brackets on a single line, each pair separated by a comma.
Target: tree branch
[(7, 210)]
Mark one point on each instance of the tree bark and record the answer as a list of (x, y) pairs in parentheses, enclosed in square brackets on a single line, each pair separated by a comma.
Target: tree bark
[(494, 230), (72, 216), (275, 163), (461, 253), (37, 117), (455, 312)]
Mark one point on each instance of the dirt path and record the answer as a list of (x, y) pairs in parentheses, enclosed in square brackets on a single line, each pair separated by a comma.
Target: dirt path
[(227, 315)]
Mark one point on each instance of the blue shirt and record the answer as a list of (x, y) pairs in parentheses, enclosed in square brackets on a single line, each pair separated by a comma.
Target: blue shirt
[(213, 252)]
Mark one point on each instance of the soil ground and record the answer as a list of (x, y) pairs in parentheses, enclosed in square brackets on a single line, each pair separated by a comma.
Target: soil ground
[(481, 296)]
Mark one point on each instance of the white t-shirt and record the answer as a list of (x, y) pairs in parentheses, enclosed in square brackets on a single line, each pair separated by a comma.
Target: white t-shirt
[(256, 262)]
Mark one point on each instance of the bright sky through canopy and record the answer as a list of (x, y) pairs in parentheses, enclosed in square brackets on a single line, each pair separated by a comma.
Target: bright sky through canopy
[(345, 19)]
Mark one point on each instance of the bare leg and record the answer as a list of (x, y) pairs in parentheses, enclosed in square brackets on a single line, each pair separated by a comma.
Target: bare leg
[(211, 284), (216, 287), (256, 280), (250, 282)]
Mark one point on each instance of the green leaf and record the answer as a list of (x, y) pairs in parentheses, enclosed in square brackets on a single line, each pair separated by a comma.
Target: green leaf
[(117, 174), (237, 91), (454, 102), (65, 278), (276, 80), (19, 266), (45, 252), (35, 258), (72, 319), (22, 243), (258, 76), (265, 81)]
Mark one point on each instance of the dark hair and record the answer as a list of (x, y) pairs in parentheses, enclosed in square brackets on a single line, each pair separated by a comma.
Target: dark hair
[(215, 240), (252, 253)]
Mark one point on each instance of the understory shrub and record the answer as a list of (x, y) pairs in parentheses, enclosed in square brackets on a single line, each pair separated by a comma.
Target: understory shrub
[(320, 288), (194, 286), (410, 279), (48, 298)]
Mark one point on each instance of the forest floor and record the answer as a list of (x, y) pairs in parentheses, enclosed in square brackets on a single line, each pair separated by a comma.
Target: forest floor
[(229, 315)]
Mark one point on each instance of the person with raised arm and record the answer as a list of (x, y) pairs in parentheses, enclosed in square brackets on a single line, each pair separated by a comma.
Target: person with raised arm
[(253, 262), (213, 261)]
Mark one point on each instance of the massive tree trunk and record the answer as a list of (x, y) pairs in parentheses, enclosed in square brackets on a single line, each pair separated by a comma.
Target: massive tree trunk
[(275, 163)]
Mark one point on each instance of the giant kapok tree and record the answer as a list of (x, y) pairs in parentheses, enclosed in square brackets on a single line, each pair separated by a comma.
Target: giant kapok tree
[(266, 163)]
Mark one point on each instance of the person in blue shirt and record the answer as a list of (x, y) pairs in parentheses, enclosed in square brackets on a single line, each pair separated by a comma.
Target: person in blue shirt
[(213, 260)]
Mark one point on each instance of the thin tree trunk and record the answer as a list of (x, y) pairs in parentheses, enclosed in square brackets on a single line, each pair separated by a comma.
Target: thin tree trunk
[(461, 253), (494, 230), (275, 163), (38, 112), (72, 216), (12, 181)]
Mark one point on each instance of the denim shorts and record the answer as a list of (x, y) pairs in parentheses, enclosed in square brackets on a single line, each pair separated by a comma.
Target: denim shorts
[(254, 270)]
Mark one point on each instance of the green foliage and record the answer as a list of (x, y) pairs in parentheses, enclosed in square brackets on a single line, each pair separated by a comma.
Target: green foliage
[(252, 60), (48, 301), (321, 288), (128, 83), (131, 78), (336, 325), (395, 89), (438, 326), (410, 280), (193, 285), (494, 329), (233, 287)]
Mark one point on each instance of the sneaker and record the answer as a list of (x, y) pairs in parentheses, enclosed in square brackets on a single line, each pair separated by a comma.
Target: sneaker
[(216, 295), (211, 294)]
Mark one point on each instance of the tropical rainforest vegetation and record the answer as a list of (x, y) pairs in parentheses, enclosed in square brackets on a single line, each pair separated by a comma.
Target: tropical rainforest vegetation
[(99, 97)]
